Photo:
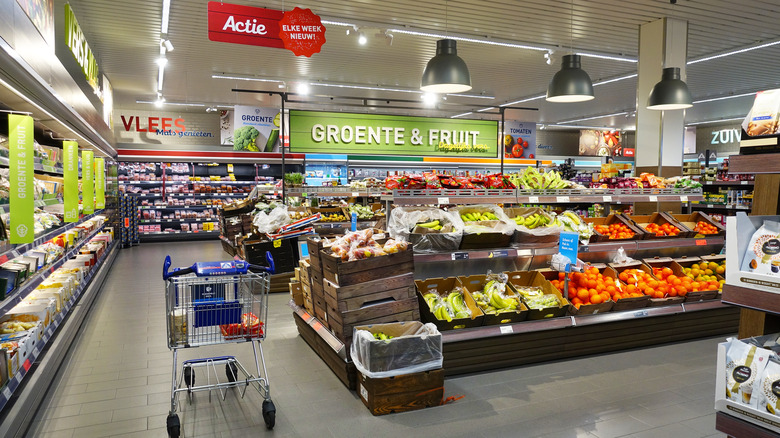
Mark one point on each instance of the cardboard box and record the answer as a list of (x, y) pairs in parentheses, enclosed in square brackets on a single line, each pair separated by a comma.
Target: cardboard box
[(522, 234), (414, 345), (538, 279), (401, 393), (296, 293), (653, 302), (678, 267), (31, 313), (476, 283), (639, 233), (442, 287), (657, 218), (739, 410), (690, 221)]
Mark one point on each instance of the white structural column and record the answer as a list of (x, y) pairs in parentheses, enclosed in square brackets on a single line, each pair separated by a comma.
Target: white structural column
[(659, 134)]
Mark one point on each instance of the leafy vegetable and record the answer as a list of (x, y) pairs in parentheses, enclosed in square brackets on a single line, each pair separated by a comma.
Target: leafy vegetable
[(244, 139)]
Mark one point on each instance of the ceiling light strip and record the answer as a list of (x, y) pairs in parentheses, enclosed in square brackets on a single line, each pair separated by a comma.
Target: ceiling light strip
[(152, 102), (714, 121), (620, 78), (166, 14), (462, 115), (528, 99), (244, 78), (735, 52), (591, 127), (714, 99), (622, 113)]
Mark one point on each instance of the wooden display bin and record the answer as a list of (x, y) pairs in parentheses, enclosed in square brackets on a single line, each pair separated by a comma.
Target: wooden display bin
[(653, 302), (315, 246), (343, 273), (325, 211), (538, 279), (678, 269), (402, 393), (476, 283), (690, 221), (611, 219), (643, 221), (442, 287)]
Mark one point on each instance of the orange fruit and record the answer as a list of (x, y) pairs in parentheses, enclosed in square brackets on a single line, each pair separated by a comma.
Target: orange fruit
[(583, 294), (596, 299)]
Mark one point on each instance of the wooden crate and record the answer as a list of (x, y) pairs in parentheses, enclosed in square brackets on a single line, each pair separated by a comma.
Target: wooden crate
[(228, 247), (343, 369), (315, 246), (442, 287), (344, 273), (476, 283), (402, 393), (355, 297), (279, 282)]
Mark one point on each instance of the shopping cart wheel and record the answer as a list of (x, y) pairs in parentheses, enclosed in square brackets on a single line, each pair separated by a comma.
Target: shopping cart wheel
[(269, 413), (232, 371), (174, 428), (189, 377)]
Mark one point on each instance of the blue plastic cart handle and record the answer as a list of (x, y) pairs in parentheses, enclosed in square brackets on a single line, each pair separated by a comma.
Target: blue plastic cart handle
[(209, 269)]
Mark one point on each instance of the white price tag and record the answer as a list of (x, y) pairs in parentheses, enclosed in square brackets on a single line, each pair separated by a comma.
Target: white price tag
[(683, 198), (444, 201), (744, 183), (533, 199), (608, 199), (506, 329), (563, 199), (355, 194), (36, 351), (654, 199), (7, 393)]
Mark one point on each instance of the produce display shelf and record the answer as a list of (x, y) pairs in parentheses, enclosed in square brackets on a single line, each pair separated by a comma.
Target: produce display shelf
[(141, 182), (728, 183), (751, 298), (207, 195), (739, 428), (146, 195), (157, 221), (754, 163), (39, 203), (158, 233), (174, 207), (720, 207), (17, 250), (50, 351), (211, 182), (167, 236), (32, 282)]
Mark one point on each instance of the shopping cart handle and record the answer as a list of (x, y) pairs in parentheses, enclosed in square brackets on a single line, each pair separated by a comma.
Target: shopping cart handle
[(271, 268), (176, 271)]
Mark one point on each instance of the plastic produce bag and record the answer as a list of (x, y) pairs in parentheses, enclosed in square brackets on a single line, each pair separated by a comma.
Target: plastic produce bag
[(412, 347), (621, 257), (271, 222), (533, 221), (501, 224), (449, 307), (495, 298), (414, 225)]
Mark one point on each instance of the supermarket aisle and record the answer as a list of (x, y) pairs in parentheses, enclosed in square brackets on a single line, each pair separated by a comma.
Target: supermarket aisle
[(116, 382)]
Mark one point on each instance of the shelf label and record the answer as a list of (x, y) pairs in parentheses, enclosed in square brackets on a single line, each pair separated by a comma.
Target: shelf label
[(562, 199), (355, 194), (277, 243), (444, 201), (710, 205), (506, 329), (584, 248), (460, 256), (7, 393), (640, 314), (26, 365), (71, 179), (607, 198), (653, 198), (21, 175), (533, 199), (683, 198), (499, 253), (701, 242), (744, 183), (88, 181)]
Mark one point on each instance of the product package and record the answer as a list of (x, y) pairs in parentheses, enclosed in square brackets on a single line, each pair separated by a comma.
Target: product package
[(744, 364), (764, 114), (766, 388), (763, 253)]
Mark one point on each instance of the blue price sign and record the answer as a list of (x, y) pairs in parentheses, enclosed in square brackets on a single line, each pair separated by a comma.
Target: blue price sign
[(568, 245), (353, 224)]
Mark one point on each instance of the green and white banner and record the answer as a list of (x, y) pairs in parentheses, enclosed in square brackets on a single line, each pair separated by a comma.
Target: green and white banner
[(88, 181), (344, 133), (21, 162), (70, 164), (100, 183)]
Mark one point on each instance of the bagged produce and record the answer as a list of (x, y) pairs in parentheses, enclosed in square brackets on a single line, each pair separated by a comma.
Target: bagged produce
[(483, 218), (447, 308), (744, 364), (427, 229), (431, 180), (269, 223), (394, 349), (495, 298)]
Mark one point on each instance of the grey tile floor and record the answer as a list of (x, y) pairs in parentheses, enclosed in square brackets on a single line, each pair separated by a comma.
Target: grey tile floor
[(116, 381)]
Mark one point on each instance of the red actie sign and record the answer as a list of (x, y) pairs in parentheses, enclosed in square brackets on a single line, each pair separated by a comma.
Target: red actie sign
[(302, 32), (244, 25), (628, 152)]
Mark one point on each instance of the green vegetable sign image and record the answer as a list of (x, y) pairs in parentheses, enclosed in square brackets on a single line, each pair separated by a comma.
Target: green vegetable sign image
[(20, 160), (256, 129)]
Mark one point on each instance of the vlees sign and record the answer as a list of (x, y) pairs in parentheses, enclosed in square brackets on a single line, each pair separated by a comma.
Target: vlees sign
[(329, 133), (299, 30), (146, 127)]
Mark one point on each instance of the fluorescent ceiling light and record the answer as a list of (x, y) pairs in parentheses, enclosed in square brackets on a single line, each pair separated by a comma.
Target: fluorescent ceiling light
[(430, 99), (541, 96), (735, 52), (362, 40), (723, 98), (622, 113), (486, 109), (609, 81), (160, 75), (461, 115), (714, 121), (159, 102), (152, 102), (162, 61), (243, 78), (166, 14), (302, 89), (610, 128)]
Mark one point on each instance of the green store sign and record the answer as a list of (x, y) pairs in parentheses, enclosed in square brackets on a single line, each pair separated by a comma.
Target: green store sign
[(77, 43), (344, 133)]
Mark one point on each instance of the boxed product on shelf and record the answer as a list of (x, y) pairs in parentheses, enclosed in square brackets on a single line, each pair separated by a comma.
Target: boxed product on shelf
[(500, 303), (396, 349), (385, 299), (742, 388), (484, 226), (660, 226), (59, 295), (538, 308), (708, 284), (753, 252), (401, 393), (533, 225), (426, 228), (613, 228), (442, 287)]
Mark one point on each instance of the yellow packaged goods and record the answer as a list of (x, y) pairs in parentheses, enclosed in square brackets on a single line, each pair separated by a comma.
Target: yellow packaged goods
[(31, 313), (57, 294)]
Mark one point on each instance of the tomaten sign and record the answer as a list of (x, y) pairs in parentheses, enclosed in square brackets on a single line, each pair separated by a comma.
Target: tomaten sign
[(299, 30)]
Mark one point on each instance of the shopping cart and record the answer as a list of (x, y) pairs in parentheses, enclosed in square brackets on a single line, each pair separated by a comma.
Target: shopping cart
[(217, 303)]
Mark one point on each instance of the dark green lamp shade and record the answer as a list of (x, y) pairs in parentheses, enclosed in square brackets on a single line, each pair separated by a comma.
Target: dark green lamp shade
[(571, 83), (671, 93), (446, 72)]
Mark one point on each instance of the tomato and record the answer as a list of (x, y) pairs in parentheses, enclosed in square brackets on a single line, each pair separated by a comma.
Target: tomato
[(525, 144), (517, 151), (531, 156)]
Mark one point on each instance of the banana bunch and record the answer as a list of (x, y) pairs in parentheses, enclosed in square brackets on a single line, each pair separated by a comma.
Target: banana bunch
[(571, 222), (536, 180), (434, 225), (492, 300), (381, 336), (479, 216), (333, 217), (451, 307), (533, 221)]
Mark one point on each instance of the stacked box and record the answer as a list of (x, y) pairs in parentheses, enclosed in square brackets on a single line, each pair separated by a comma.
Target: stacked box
[(315, 277), (304, 271), (368, 291)]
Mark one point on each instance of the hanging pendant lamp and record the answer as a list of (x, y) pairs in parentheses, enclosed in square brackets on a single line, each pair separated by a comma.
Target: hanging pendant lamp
[(446, 72), (671, 93), (571, 83)]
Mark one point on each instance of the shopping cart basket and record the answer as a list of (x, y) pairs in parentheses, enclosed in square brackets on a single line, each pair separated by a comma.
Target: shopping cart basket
[(217, 303)]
